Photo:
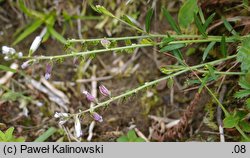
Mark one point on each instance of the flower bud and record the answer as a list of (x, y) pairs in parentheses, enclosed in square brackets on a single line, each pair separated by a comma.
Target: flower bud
[(35, 44), (48, 71), (78, 130), (61, 114), (89, 96), (97, 117), (5, 49), (20, 54), (25, 64), (104, 91), (105, 43), (6, 58)]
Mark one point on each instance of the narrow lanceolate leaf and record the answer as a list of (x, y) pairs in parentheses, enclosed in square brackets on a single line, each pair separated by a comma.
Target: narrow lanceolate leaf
[(201, 16), (229, 27), (56, 35), (103, 10), (46, 135), (166, 40), (177, 53), (199, 25), (171, 21), (30, 29), (207, 50), (223, 47), (148, 19), (172, 47), (5, 68), (186, 13), (127, 20), (208, 21)]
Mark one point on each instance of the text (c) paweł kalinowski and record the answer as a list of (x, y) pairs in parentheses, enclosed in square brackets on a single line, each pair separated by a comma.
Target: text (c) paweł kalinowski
[(61, 149)]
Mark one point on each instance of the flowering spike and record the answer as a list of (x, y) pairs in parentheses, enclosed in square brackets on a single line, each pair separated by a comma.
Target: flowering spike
[(48, 71), (97, 117), (104, 91), (89, 96)]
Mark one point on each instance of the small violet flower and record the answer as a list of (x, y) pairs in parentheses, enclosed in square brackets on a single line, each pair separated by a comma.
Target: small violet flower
[(48, 71), (97, 117), (104, 91), (25, 64), (105, 43), (35, 44), (89, 96)]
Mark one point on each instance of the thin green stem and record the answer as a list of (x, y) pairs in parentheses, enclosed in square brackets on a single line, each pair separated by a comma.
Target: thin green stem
[(218, 38), (223, 72)]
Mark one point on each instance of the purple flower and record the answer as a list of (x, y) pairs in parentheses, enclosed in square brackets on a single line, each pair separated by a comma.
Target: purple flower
[(104, 90), (97, 117), (89, 96), (48, 71), (105, 43), (25, 64)]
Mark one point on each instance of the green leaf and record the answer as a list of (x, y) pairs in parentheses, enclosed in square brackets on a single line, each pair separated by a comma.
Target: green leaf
[(33, 27), (127, 20), (208, 21), (9, 133), (177, 53), (171, 21), (170, 82), (223, 47), (199, 26), (103, 10), (230, 121), (244, 83), (122, 139), (5, 68), (229, 27), (172, 47), (31, 13), (203, 83), (146, 41), (46, 135), (245, 126), (148, 19), (186, 13), (207, 50), (139, 140), (201, 16), (243, 54), (242, 93), (131, 135), (2, 137), (56, 35), (166, 40)]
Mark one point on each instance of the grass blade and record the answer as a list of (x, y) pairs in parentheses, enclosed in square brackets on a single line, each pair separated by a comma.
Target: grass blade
[(208, 21), (46, 135), (223, 48), (199, 25), (229, 27), (56, 35), (171, 21), (207, 50), (148, 19), (33, 27)]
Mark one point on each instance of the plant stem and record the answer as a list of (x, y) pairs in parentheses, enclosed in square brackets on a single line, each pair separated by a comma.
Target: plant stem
[(218, 38), (73, 54), (151, 83)]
